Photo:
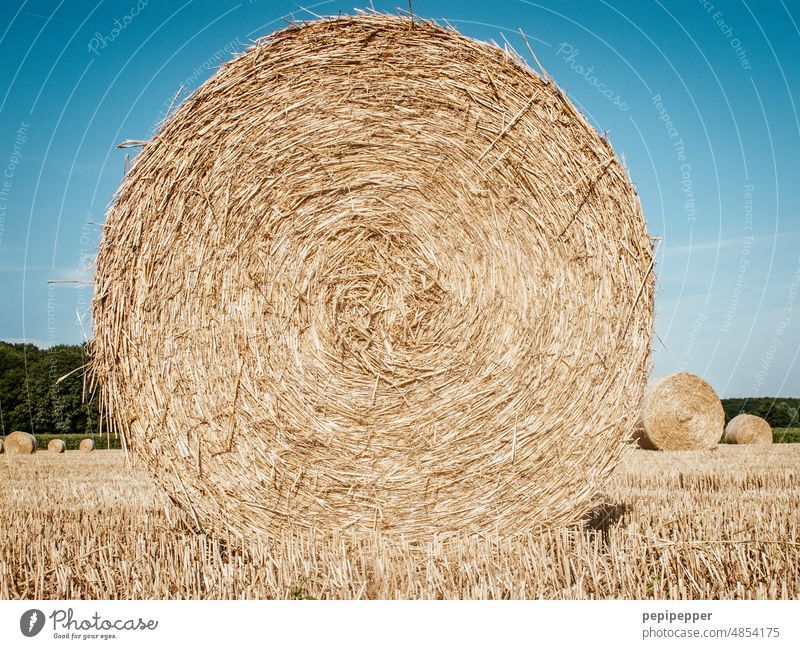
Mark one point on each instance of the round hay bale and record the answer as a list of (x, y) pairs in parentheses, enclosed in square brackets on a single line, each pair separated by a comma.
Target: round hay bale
[(748, 429), (375, 276), (86, 445), (681, 411), (2, 447), (57, 446), (20, 443)]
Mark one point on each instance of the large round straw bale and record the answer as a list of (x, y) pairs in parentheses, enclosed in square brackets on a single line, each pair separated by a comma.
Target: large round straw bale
[(20, 443), (748, 429), (681, 411), (86, 445), (375, 275), (56, 446), (2, 447)]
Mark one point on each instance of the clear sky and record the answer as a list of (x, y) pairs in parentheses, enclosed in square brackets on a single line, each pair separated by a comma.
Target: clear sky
[(699, 98)]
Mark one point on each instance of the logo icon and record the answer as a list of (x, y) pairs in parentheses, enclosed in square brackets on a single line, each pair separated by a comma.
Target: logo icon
[(31, 622)]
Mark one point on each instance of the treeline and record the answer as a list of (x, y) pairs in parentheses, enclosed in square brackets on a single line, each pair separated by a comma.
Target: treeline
[(34, 400), (780, 412)]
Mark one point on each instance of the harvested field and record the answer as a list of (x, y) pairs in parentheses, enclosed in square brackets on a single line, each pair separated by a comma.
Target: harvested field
[(692, 524)]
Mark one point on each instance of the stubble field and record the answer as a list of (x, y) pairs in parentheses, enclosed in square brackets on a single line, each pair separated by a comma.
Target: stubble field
[(711, 524)]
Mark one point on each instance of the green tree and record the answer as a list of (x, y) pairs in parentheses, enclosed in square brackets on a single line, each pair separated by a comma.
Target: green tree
[(782, 415), (32, 397)]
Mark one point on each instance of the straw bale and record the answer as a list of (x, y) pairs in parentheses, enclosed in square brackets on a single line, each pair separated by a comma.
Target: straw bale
[(681, 411), (56, 446), (86, 445), (20, 443), (748, 429), (375, 275)]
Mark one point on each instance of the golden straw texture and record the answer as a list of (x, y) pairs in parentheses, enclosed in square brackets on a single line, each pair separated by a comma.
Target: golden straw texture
[(86, 445), (57, 446), (748, 429), (20, 443), (681, 412), (375, 275)]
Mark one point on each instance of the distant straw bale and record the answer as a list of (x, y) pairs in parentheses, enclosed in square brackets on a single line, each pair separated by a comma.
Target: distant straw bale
[(681, 411), (748, 429), (20, 443), (56, 446), (86, 445), (375, 275)]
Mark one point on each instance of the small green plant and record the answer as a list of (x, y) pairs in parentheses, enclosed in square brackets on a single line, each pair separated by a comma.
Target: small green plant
[(651, 585), (297, 592)]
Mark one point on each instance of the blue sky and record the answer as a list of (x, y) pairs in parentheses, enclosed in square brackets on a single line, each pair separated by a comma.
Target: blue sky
[(699, 98)]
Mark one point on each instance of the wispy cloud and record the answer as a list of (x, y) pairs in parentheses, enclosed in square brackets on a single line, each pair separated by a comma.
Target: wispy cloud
[(719, 244), (76, 274), (41, 344), (56, 274), (29, 269), (700, 247)]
